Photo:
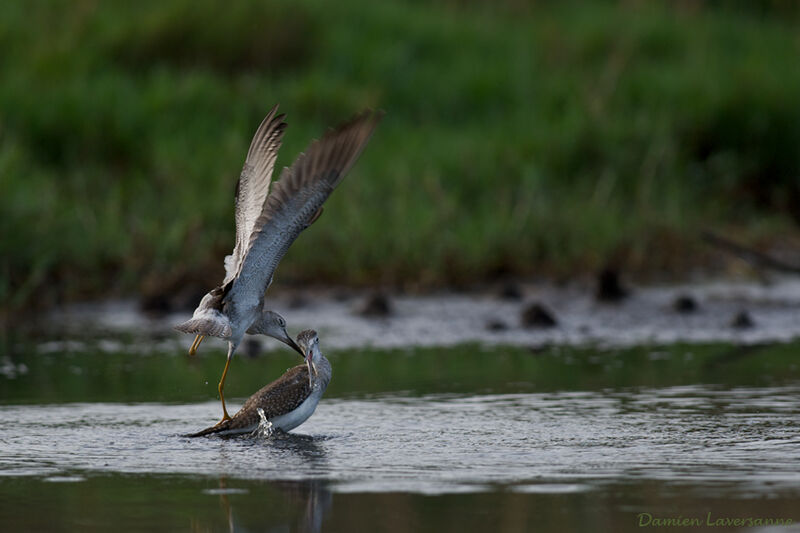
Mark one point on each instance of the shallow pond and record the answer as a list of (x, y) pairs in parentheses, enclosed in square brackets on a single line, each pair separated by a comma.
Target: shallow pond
[(466, 438)]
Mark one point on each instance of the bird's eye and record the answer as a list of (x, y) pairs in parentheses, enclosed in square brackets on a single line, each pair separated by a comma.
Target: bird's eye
[(282, 322)]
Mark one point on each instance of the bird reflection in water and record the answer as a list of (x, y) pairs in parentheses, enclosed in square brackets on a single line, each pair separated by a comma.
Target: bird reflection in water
[(281, 505), (309, 501)]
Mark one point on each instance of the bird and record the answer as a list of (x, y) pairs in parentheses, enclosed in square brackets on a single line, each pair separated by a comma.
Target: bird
[(269, 217), (288, 401)]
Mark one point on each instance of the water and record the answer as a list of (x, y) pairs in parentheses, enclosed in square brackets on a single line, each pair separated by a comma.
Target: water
[(459, 439), (747, 437)]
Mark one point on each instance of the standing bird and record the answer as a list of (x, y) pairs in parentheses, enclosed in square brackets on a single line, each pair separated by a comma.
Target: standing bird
[(268, 220), (288, 401)]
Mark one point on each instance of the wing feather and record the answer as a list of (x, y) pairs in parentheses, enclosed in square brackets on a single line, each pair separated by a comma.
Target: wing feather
[(253, 185), (295, 200), (278, 398)]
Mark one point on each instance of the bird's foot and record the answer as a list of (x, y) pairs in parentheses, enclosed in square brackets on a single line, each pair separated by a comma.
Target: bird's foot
[(197, 340), (225, 418)]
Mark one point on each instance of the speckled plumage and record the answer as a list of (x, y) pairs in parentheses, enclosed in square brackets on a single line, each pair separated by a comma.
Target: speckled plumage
[(279, 397), (287, 401)]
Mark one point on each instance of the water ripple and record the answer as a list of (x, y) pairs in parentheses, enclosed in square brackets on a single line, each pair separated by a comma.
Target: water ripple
[(692, 434)]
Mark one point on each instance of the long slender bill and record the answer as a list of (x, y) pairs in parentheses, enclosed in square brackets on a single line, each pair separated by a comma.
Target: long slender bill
[(197, 340), (290, 342), (308, 365)]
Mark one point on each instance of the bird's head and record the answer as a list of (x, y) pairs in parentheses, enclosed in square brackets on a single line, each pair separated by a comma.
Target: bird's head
[(272, 324), (308, 341)]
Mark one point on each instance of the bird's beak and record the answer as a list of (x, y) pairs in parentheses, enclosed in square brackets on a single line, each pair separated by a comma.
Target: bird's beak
[(197, 340), (308, 358), (293, 345)]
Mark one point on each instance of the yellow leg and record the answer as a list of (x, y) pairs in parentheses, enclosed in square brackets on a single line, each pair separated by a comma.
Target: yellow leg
[(196, 344), (225, 415)]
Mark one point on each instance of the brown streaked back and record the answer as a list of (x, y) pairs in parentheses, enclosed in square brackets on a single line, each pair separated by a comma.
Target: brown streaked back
[(279, 397)]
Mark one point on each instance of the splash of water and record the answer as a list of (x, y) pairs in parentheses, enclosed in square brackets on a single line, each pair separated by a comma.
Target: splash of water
[(265, 428)]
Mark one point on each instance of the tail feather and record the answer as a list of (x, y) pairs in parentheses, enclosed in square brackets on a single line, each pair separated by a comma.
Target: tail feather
[(206, 326), (222, 426)]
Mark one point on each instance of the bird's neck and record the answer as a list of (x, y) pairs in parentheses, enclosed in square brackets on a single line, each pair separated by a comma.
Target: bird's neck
[(321, 370)]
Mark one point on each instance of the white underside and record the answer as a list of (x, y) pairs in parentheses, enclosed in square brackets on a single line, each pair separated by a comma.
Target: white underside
[(215, 316), (292, 419), (288, 421), (210, 314)]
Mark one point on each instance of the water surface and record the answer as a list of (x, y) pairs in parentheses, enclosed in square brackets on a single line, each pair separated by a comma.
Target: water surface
[(459, 439)]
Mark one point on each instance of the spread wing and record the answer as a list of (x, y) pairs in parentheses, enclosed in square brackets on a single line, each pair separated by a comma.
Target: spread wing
[(253, 185), (295, 201)]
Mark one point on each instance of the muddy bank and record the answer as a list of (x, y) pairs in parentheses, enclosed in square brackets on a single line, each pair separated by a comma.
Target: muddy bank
[(530, 315)]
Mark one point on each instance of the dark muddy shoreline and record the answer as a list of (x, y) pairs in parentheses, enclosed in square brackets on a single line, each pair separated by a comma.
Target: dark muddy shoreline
[(532, 315)]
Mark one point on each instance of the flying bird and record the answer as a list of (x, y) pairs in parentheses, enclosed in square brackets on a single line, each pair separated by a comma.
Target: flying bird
[(268, 220), (288, 401)]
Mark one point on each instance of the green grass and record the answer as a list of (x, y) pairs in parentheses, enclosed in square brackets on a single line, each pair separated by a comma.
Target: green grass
[(518, 140)]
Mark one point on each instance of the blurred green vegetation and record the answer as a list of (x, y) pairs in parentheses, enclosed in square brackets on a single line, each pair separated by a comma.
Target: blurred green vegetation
[(520, 138)]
